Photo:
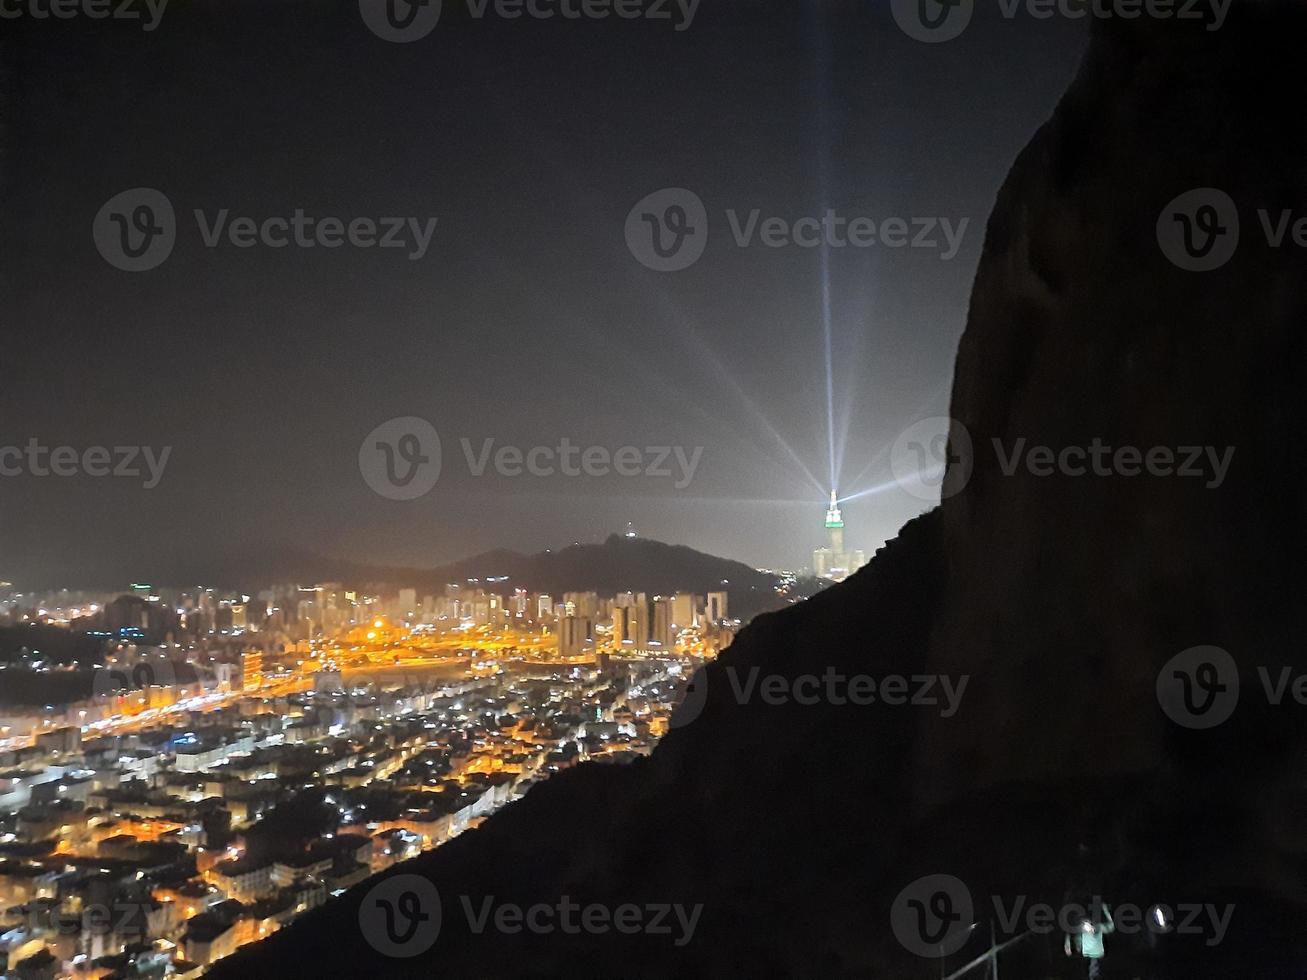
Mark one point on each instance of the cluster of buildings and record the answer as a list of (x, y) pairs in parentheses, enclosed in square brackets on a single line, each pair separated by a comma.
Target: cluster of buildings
[(237, 760), (202, 619), (162, 843), (633, 623)]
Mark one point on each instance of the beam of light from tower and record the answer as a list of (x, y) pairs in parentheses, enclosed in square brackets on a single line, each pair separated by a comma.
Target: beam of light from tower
[(930, 474), (830, 365), (821, 46), (880, 453), (542, 142)]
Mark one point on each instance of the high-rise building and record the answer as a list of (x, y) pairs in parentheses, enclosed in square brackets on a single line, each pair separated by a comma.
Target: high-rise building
[(684, 611), (252, 669), (582, 603), (664, 637), (832, 561), (631, 627), (716, 607), (575, 636)]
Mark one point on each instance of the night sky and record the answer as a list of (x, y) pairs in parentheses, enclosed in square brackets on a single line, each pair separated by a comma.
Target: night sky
[(528, 319)]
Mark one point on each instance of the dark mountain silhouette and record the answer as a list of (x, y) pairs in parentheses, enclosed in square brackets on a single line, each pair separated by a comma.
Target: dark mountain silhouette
[(621, 564), (1061, 598)]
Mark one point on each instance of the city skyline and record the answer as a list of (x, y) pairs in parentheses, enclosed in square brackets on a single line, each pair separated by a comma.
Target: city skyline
[(186, 772), (830, 561)]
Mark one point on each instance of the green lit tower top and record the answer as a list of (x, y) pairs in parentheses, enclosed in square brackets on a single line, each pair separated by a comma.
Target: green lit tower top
[(835, 525), (833, 518)]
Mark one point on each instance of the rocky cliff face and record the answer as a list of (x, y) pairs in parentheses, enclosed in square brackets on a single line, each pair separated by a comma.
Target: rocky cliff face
[(1067, 594), (1060, 597)]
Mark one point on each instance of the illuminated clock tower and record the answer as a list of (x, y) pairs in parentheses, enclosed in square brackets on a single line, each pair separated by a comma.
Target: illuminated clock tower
[(833, 562)]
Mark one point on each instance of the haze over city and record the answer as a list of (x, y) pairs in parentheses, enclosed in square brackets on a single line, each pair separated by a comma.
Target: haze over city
[(526, 320)]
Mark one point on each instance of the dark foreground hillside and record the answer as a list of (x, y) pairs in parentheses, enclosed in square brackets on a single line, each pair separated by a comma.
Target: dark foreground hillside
[(1060, 597)]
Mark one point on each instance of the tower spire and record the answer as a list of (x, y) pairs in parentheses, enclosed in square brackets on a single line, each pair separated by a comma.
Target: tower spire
[(833, 516)]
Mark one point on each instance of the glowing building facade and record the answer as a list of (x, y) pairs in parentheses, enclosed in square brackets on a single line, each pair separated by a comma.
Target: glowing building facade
[(833, 562)]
